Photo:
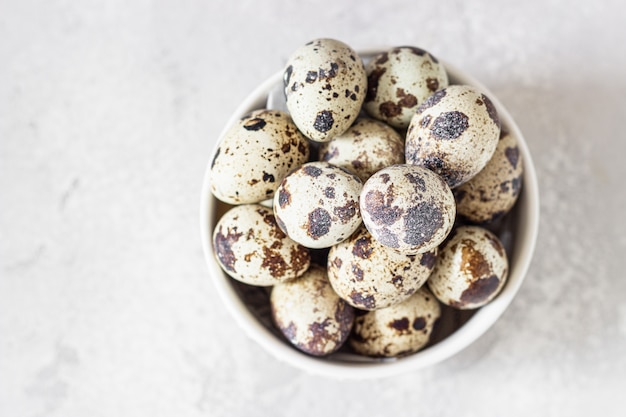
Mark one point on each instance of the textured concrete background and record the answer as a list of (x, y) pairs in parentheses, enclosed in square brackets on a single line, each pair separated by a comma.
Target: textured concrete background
[(108, 112)]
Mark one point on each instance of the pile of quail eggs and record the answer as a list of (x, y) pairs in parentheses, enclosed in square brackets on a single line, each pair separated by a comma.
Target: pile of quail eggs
[(388, 174)]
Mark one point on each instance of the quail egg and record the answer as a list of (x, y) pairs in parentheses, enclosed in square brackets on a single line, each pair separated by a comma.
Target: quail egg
[(254, 156), (370, 276), (366, 147), (250, 247), (398, 330), (453, 133), (325, 85), (494, 190), (471, 268), (398, 81), (408, 208), (317, 205), (309, 313)]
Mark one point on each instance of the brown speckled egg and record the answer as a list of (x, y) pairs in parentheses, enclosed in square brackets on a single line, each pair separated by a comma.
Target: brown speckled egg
[(398, 81), (254, 156), (366, 147), (453, 133), (325, 85), (494, 190), (309, 313), (317, 205), (398, 330), (407, 208), (471, 269), (370, 276), (250, 247)]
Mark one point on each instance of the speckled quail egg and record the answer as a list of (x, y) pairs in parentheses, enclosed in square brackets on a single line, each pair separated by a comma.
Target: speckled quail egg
[(317, 205), (398, 81), (254, 155), (398, 330), (366, 147), (471, 268), (453, 133), (309, 313), (250, 247), (325, 85), (494, 190), (407, 208), (370, 276)]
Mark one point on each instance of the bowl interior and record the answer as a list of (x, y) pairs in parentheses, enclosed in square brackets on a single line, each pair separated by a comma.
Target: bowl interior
[(455, 330)]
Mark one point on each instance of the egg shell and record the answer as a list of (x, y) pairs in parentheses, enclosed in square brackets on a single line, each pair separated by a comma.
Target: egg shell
[(370, 276), (325, 85), (471, 269), (254, 155), (250, 247), (398, 330), (453, 133), (494, 190), (309, 313), (408, 208), (317, 205), (398, 81), (366, 147)]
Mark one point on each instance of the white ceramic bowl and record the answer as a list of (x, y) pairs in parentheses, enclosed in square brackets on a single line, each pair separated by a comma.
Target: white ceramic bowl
[(456, 329)]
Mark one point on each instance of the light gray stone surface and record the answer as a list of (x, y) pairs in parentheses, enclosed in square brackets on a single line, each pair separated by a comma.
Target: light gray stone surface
[(108, 112)]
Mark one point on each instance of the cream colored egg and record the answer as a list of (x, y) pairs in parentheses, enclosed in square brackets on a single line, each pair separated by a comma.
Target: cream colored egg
[(366, 147), (309, 313), (494, 190), (398, 81), (317, 205), (453, 133), (254, 156), (371, 276), (471, 269), (398, 330), (325, 85), (250, 247), (407, 208)]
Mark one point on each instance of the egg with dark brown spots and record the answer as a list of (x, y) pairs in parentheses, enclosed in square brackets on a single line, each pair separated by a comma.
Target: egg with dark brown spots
[(471, 269), (398, 330), (317, 205), (398, 81), (370, 276), (494, 190), (254, 155), (325, 85), (408, 208), (453, 133), (309, 313), (365, 148), (250, 247)]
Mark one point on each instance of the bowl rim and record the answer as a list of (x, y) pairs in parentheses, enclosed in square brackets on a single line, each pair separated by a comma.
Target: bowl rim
[(481, 321)]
